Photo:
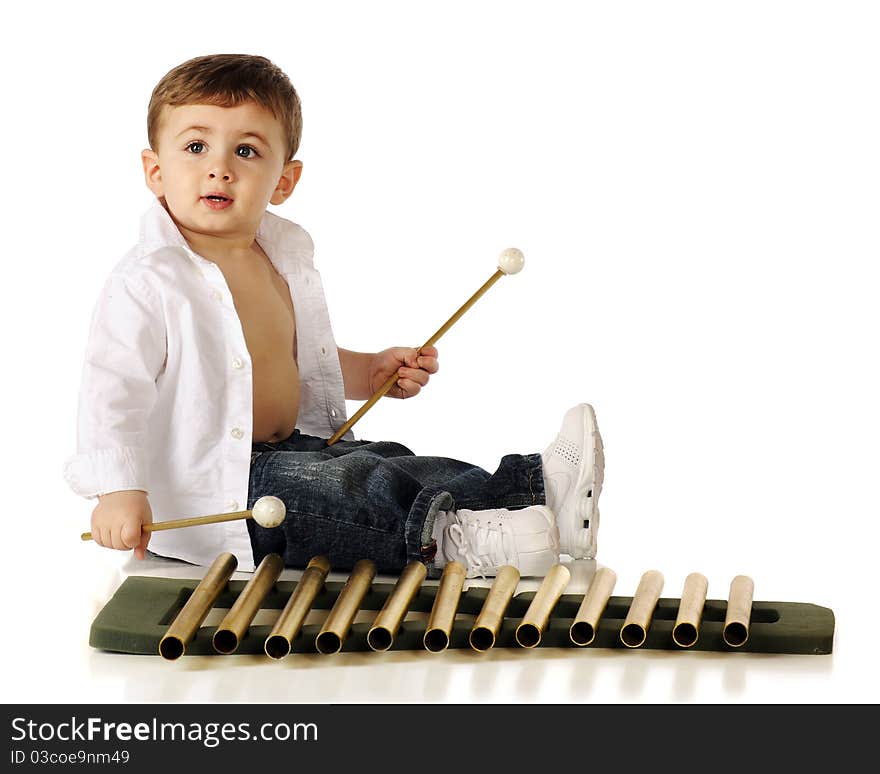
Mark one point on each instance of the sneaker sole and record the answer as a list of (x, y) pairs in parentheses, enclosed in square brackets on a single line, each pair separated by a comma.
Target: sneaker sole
[(590, 477)]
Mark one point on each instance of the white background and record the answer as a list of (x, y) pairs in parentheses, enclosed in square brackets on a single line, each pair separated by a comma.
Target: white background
[(695, 188)]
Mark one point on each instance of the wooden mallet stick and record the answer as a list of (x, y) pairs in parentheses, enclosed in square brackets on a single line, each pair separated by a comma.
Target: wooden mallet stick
[(510, 261), (268, 512)]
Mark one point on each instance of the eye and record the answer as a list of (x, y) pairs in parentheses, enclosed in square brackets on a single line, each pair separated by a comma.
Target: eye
[(196, 147), (246, 152)]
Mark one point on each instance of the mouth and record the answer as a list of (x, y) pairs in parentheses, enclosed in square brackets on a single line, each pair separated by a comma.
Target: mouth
[(217, 201)]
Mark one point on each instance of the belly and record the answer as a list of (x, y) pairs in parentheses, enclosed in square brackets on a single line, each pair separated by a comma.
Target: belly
[(276, 400)]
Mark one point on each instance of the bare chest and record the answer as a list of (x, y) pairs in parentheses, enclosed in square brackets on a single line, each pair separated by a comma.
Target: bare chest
[(265, 310)]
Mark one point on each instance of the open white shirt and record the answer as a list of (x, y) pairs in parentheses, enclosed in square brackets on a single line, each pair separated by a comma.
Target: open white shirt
[(166, 403)]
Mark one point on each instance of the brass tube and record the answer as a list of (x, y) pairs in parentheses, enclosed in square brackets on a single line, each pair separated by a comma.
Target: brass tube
[(387, 622), (635, 627), (690, 610), (289, 623), (739, 611), (485, 629), (442, 616), (583, 630), (234, 625), (531, 628), (335, 628), (185, 625)]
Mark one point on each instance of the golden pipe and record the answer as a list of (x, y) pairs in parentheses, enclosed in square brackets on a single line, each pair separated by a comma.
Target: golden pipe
[(690, 610), (387, 622), (583, 630), (739, 611), (235, 623), (392, 380), (289, 623), (442, 616), (186, 623), (531, 628), (335, 628), (635, 627), (485, 629)]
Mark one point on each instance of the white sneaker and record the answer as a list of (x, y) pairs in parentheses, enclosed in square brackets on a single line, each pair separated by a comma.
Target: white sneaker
[(485, 541), (574, 468)]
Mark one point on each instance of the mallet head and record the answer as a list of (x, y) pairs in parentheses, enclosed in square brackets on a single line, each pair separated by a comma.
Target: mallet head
[(269, 511), (511, 260)]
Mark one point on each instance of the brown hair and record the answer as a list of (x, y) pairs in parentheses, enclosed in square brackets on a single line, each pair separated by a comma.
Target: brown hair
[(227, 80)]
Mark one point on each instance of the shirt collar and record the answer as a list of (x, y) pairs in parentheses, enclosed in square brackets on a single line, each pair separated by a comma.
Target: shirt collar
[(288, 245)]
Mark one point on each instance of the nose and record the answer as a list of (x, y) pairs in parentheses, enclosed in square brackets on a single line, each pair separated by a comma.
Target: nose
[(219, 168)]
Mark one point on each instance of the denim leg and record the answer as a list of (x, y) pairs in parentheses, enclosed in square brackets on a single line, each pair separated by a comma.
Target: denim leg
[(372, 500)]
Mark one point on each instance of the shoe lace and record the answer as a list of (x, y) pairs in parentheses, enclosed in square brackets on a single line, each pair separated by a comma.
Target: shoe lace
[(484, 545)]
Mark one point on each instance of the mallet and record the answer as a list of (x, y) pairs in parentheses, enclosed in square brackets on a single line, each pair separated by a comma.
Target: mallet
[(268, 512), (510, 261)]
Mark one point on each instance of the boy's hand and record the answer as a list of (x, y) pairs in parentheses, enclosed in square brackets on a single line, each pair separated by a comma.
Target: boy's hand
[(413, 368), (118, 519)]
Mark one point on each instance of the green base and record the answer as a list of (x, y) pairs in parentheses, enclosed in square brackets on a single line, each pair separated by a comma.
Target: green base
[(142, 609)]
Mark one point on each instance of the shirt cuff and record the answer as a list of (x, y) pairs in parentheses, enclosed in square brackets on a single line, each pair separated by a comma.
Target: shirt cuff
[(106, 470)]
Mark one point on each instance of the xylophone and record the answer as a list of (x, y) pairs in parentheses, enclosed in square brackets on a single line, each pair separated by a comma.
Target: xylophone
[(164, 615)]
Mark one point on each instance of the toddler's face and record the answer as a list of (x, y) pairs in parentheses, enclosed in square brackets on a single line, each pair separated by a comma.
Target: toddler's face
[(217, 168)]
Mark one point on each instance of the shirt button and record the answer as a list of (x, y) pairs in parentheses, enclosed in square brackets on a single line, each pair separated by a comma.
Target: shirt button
[(333, 412), (323, 350), (217, 295), (232, 505), (237, 362), (237, 433)]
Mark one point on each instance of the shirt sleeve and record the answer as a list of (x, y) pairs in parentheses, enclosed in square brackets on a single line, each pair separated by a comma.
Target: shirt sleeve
[(124, 356)]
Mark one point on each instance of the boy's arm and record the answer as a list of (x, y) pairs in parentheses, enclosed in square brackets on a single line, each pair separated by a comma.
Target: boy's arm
[(355, 370), (365, 372), (124, 356)]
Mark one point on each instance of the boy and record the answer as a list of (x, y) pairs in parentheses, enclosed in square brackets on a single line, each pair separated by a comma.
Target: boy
[(212, 377)]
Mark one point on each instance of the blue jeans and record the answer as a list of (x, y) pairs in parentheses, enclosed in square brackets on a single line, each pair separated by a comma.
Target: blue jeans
[(364, 500)]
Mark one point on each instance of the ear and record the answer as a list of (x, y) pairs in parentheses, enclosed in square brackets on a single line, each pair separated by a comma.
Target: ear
[(290, 175), (152, 173)]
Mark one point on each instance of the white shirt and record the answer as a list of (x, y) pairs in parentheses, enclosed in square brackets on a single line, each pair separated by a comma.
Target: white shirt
[(166, 403)]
